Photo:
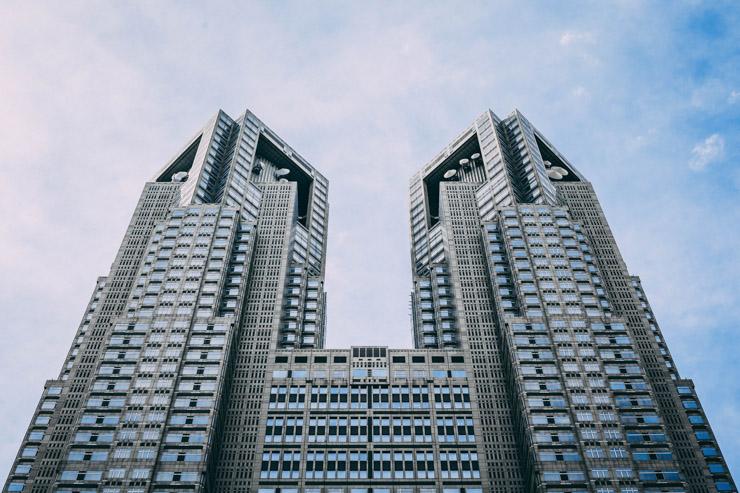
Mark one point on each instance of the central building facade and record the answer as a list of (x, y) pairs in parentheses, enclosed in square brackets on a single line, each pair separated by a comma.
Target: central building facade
[(200, 366)]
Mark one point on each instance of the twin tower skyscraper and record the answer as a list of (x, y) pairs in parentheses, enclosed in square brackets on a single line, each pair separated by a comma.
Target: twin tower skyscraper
[(200, 366)]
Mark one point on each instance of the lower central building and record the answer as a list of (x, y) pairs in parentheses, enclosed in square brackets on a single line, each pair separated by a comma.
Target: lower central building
[(199, 365), (369, 417)]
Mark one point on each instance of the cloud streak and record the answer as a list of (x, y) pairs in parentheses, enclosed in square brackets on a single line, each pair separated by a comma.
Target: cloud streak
[(573, 37), (708, 151)]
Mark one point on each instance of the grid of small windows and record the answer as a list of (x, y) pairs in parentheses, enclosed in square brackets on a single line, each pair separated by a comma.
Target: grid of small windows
[(157, 362), (500, 466), (501, 277), (323, 404), (530, 176), (301, 322), (211, 180), (570, 366), (190, 248), (234, 285), (704, 436), (434, 310), (419, 240), (548, 260), (239, 189), (654, 328), (450, 396), (52, 429), (256, 338), (584, 207), (499, 190), (376, 488)]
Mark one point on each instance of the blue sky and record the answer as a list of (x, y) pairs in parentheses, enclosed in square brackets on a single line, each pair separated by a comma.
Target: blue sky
[(643, 97)]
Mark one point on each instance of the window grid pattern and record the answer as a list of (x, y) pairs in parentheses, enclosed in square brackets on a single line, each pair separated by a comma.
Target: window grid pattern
[(585, 208)]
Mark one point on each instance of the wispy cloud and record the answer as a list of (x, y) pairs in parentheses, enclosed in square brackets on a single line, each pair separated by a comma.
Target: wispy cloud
[(573, 37), (706, 152), (581, 92)]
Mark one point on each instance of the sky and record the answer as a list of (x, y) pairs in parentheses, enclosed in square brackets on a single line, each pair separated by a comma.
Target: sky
[(642, 97)]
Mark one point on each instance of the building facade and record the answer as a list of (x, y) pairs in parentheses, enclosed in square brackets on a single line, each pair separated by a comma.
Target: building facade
[(200, 366)]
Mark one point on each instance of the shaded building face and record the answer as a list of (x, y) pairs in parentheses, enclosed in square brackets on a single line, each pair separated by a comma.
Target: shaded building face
[(200, 365)]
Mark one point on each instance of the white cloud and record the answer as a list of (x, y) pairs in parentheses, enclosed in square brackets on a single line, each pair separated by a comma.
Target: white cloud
[(705, 153), (581, 92), (572, 37), (734, 96)]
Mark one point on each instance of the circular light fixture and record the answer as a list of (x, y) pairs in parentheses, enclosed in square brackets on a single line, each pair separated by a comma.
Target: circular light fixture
[(450, 173)]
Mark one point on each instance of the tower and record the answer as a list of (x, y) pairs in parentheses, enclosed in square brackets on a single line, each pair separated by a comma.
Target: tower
[(515, 264), (200, 366), (223, 261)]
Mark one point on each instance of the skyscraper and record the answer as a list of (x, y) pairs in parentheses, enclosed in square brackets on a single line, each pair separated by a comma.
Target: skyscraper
[(200, 365)]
